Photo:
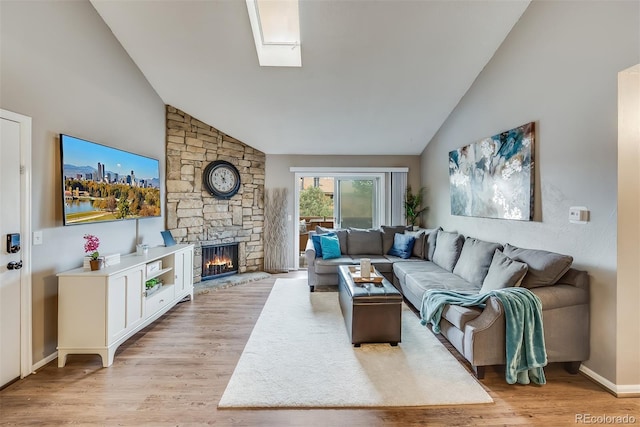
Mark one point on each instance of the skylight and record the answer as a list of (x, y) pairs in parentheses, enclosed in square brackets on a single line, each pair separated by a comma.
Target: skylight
[(276, 32)]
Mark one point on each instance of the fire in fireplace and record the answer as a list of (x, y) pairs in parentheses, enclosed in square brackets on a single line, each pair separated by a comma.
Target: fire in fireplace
[(219, 260)]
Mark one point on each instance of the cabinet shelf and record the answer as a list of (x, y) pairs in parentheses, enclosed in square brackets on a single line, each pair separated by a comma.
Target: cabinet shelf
[(158, 273)]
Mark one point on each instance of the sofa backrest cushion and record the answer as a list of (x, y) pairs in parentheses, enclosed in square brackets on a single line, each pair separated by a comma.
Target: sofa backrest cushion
[(388, 234), (364, 242), (448, 247), (503, 273), (402, 245), (340, 232), (475, 259), (545, 268), (430, 240), (418, 245), (330, 246)]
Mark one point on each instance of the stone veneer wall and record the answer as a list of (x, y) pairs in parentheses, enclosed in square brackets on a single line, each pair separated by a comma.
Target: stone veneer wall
[(194, 215)]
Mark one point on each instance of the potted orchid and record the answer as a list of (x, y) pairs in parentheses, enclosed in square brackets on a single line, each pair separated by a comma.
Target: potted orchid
[(91, 245)]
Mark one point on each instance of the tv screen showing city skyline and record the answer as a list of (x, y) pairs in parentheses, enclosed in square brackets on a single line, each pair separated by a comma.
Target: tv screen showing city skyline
[(102, 183)]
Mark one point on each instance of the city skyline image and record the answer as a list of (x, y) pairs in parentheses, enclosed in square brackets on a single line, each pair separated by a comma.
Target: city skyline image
[(80, 153)]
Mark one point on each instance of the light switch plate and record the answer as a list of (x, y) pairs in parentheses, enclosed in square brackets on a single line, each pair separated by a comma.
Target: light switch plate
[(37, 238), (578, 215)]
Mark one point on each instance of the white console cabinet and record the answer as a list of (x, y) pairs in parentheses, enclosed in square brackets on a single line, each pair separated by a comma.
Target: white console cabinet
[(99, 310)]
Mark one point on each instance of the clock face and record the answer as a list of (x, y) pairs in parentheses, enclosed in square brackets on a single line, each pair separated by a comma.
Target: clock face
[(222, 179)]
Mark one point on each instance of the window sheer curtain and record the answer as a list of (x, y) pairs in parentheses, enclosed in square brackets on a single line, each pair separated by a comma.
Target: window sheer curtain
[(398, 188)]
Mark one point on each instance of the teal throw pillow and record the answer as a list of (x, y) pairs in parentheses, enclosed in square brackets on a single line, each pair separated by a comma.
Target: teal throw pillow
[(315, 238), (330, 246), (402, 245)]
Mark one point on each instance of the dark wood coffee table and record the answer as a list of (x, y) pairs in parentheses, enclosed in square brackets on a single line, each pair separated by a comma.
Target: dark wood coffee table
[(372, 311)]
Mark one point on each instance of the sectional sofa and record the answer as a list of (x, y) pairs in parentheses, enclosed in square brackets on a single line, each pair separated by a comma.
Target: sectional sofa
[(447, 260)]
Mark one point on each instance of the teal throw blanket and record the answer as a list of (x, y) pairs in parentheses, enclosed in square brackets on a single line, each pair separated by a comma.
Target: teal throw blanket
[(526, 353)]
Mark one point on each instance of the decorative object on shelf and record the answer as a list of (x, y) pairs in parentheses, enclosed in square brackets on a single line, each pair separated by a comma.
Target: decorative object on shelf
[(142, 249), (493, 178), (413, 205), (154, 266), (152, 286), (168, 238), (221, 179), (275, 230), (91, 245)]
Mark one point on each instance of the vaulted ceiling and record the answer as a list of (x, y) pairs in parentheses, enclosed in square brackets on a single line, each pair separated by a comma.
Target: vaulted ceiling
[(377, 77)]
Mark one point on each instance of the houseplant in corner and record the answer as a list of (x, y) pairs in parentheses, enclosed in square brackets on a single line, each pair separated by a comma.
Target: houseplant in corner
[(412, 205), (91, 245)]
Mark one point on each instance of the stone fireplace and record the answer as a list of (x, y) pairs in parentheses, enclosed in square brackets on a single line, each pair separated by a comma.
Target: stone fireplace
[(194, 215)]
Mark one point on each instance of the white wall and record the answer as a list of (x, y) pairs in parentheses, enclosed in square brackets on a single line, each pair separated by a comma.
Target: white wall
[(62, 66), (558, 67), (277, 174)]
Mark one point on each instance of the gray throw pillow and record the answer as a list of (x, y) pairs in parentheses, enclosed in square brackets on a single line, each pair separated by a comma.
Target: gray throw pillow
[(475, 260), (545, 268), (448, 247), (388, 233), (503, 273), (430, 238), (418, 245), (364, 242), (341, 233)]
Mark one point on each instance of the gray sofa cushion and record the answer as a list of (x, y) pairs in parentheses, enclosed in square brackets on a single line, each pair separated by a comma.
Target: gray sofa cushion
[(364, 242), (545, 268), (503, 273), (448, 247), (342, 236), (388, 233), (419, 282), (405, 266), (430, 239), (475, 259)]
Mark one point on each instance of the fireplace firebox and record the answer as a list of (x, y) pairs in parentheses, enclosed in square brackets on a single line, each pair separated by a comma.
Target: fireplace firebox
[(219, 260)]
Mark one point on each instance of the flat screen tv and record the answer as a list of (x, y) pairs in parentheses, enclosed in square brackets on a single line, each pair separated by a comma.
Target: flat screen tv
[(101, 183)]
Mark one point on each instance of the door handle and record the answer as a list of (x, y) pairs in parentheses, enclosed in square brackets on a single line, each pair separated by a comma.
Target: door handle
[(14, 265)]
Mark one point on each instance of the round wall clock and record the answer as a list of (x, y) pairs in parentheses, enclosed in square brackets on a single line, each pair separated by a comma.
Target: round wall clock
[(221, 179)]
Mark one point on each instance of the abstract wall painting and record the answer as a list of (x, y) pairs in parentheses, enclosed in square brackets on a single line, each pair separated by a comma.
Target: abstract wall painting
[(493, 178)]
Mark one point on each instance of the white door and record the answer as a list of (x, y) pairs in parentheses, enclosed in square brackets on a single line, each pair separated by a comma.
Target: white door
[(14, 324)]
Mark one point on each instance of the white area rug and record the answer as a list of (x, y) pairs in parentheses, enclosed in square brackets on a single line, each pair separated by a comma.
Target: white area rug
[(299, 355)]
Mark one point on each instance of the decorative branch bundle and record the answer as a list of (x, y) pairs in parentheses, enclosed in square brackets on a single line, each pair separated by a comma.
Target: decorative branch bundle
[(275, 231)]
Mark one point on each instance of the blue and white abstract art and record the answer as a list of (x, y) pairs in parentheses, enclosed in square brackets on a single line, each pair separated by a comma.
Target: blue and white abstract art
[(493, 178)]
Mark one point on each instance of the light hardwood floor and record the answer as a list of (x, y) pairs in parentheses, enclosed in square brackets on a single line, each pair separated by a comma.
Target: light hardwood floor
[(175, 371)]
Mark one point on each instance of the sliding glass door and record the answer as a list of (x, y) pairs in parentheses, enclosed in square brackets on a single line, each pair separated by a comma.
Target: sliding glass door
[(357, 202)]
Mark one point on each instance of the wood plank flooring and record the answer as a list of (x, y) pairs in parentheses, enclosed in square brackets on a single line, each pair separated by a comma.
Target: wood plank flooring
[(175, 371)]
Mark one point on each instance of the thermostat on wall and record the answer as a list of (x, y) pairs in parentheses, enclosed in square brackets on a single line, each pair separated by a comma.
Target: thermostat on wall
[(578, 215)]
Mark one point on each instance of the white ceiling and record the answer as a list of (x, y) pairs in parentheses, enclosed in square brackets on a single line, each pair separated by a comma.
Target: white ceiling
[(377, 77)]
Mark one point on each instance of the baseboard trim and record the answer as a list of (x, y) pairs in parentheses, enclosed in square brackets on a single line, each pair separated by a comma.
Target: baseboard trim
[(632, 390), (53, 356)]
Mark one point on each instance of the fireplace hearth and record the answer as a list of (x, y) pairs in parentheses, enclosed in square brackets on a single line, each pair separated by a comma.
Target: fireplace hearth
[(219, 260)]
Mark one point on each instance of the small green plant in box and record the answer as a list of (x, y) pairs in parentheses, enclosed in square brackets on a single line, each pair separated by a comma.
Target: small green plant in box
[(152, 285)]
